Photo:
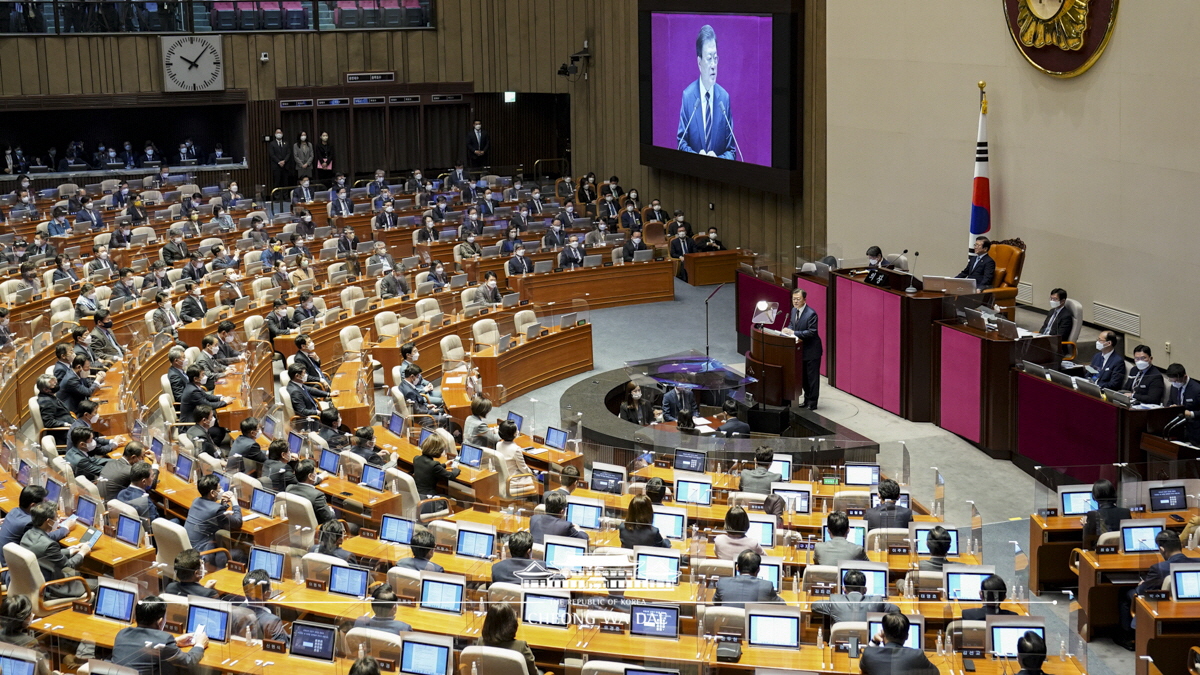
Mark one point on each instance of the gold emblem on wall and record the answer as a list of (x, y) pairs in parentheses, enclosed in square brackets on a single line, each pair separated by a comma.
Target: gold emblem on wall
[(1062, 38)]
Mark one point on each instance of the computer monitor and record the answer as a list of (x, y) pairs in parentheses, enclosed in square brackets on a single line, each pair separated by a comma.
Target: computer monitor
[(214, 617), (556, 438), (656, 564), (53, 489), (797, 495), (442, 592), (115, 600), (856, 534), (156, 447), (691, 460), (547, 608), (876, 574), (519, 420), (771, 569), (396, 530), (222, 479), (904, 500), (266, 560), (562, 553), (129, 530), (373, 477), (768, 626), (782, 465), (183, 466), (476, 541), (85, 510), (585, 513), (19, 661), (1003, 633), (918, 532), (346, 580), (762, 528), (425, 433), (470, 455), (295, 443), (862, 474), (1168, 498), (670, 521), (268, 427), (1185, 582), (654, 621), (428, 655), (1137, 535), (965, 582), (396, 424), (694, 489), (262, 502), (916, 629), (330, 461), (607, 477), (1076, 500), (313, 640)]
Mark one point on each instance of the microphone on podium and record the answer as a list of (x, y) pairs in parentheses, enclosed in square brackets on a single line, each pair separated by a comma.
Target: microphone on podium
[(912, 279)]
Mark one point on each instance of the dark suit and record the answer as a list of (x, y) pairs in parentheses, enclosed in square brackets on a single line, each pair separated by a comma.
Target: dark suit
[(681, 246), (642, 536), (323, 511), (478, 140), (428, 472), (804, 326), (173, 252), (674, 401), (138, 648), (734, 427), (75, 390), (277, 475), (1146, 385), (1189, 397), (247, 448), (1107, 519), (343, 207), (304, 399), (1058, 322), (504, 571), (393, 286), (194, 396), (888, 515), (980, 268), (116, 478), (302, 195), (694, 134), (895, 659), (1110, 374), (837, 549), (982, 613), (542, 524), (385, 220), (277, 325), (279, 151), (570, 258), (738, 590), (179, 382), (631, 220), (519, 265), (554, 239), (312, 367), (853, 606), (52, 559), (193, 309), (629, 248), (205, 518), (387, 625)]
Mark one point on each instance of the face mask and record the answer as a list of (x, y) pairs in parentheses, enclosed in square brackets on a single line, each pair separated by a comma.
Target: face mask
[(602, 227), (307, 219), (556, 228), (574, 244), (104, 255), (278, 137), (106, 324), (91, 445), (182, 150), (324, 137), (524, 213), (124, 191), (308, 305), (478, 127), (1099, 345), (87, 339), (388, 208), (429, 224), (197, 293), (591, 179), (1177, 385), (417, 176), (233, 188), (128, 147), (1142, 365), (341, 195), (112, 153), (25, 183), (379, 179), (679, 219), (536, 195), (229, 339), (491, 283), (303, 138), (629, 208), (570, 209), (712, 235), (304, 184), (636, 241), (1054, 304), (520, 253), (470, 240), (633, 195), (516, 186), (281, 313), (440, 270), (303, 264), (609, 198), (636, 395)]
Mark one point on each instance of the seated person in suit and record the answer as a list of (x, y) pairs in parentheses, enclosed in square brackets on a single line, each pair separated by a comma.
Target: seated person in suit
[(116, 474), (437, 274), (422, 546), (85, 419), (853, 604), (555, 238), (208, 436), (383, 609), (571, 256), (938, 540), (54, 412), (246, 446), (656, 490), (875, 258), (553, 521), (1145, 383), (194, 395), (1106, 517), (187, 577), (682, 244), (887, 654), (638, 528), (712, 243), (475, 429), (303, 397), (1059, 320), (147, 648), (630, 218), (79, 385), (157, 277), (429, 233), (137, 494), (598, 236), (1031, 653), (567, 479), (487, 293), (1171, 550), (993, 591), (838, 548), (519, 546), (335, 435), (632, 246), (329, 543), (279, 471), (980, 267), (634, 408), (888, 513), (81, 454), (678, 398), (176, 250), (745, 586), (730, 544), (732, 426), (278, 322), (306, 480), (511, 241), (194, 307), (409, 355), (210, 513), (1109, 365), (58, 225), (394, 285), (208, 361), (363, 445), (758, 480), (500, 631), (519, 264), (256, 588), (306, 355)]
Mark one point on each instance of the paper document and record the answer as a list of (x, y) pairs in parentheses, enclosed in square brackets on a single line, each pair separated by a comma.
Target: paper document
[(704, 429)]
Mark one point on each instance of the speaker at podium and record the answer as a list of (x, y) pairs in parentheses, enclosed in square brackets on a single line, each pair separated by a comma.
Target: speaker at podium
[(774, 360)]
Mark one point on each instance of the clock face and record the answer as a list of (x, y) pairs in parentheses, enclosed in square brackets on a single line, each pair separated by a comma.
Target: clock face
[(193, 63), (1045, 9)]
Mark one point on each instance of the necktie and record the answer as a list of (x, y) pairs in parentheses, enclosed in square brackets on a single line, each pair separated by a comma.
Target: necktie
[(707, 117)]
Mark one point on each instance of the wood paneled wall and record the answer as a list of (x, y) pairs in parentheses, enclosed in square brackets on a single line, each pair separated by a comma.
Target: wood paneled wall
[(500, 45)]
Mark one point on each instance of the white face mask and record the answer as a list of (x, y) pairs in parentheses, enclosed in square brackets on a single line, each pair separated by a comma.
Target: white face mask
[(229, 339), (281, 313), (233, 188), (470, 240), (636, 241), (1054, 304), (387, 208), (536, 195), (278, 136), (570, 209), (574, 244), (1099, 345), (491, 283), (629, 208), (91, 445), (520, 252), (636, 394), (308, 219), (679, 219), (478, 127), (1141, 365), (303, 138), (633, 195), (712, 235), (1177, 385)]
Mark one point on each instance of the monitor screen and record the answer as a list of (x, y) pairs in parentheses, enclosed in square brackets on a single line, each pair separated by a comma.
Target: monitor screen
[(606, 481), (222, 480), (129, 530), (556, 438), (295, 443), (422, 658), (268, 427), (799, 500), (783, 467), (690, 460), (1078, 503), (313, 640), (441, 595), (373, 476), (475, 544), (1140, 538), (396, 424), (350, 581), (53, 490), (671, 525), (563, 556), (768, 630), (654, 620), (922, 537), (396, 530), (904, 500), (693, 492), (1187, 584), (267, 560), (914, 633), (516, 419), (330, 461), (425, 433), (965, 585), (156, 446), (1169, 498), (771, 572), (215, 621), (24, 469), (85, 511), (546, 610), (857, 534), (13, 666), (586, 516), (877, 583), (763, 532), (1005, 638), (262, 502), (114, 603), (664, 568), (862, 474), (183, 466), (470, 455)]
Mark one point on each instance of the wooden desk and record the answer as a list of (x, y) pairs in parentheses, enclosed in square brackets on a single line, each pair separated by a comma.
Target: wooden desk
[(1166, 631), (1051, 541), (366, 505), (180, 495), (600, 287), (1098, 594), (714, 267), (481, 485), (110, 557), (533, 364)]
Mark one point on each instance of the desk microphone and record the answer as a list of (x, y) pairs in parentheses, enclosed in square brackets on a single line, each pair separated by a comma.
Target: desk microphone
[(687, 124), (912, 279), (729, 123), (1173, 425)]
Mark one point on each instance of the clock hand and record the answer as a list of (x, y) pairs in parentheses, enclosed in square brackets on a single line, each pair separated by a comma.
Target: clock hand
[(193, 63), (196, 63)]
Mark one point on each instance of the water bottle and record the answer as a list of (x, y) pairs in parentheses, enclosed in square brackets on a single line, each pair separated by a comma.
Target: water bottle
[(363, 652), (283, 510), (941, 645), (821, 643), (299, 575), (1062, 650), (249, 636)]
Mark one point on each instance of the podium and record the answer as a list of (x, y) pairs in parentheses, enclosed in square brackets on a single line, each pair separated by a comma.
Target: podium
[(775, 361)]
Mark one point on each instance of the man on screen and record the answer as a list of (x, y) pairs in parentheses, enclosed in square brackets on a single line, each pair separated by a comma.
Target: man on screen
[(705, 122)]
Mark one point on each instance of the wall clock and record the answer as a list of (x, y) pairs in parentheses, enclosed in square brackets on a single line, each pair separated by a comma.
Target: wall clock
[(1061, 38), (193, 63)]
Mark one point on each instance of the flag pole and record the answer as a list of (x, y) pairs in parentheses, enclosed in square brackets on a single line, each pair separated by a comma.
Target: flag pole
[(980, 191)]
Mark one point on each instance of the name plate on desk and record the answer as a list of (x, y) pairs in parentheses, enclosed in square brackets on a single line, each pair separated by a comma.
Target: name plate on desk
[(173, 627), (1157, 595), (234, 566), (898, 550), (853, 513), (81, 607), (804, 545), (1047, 513), (972, 653), (316, 585), (877, 277), (523, 303), (929, 595), (659, 259), (386, 665), (1107, 550), (821, 590), (368, 534), (611, 627), (1140, 508), (442, 548), (276, 646)]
